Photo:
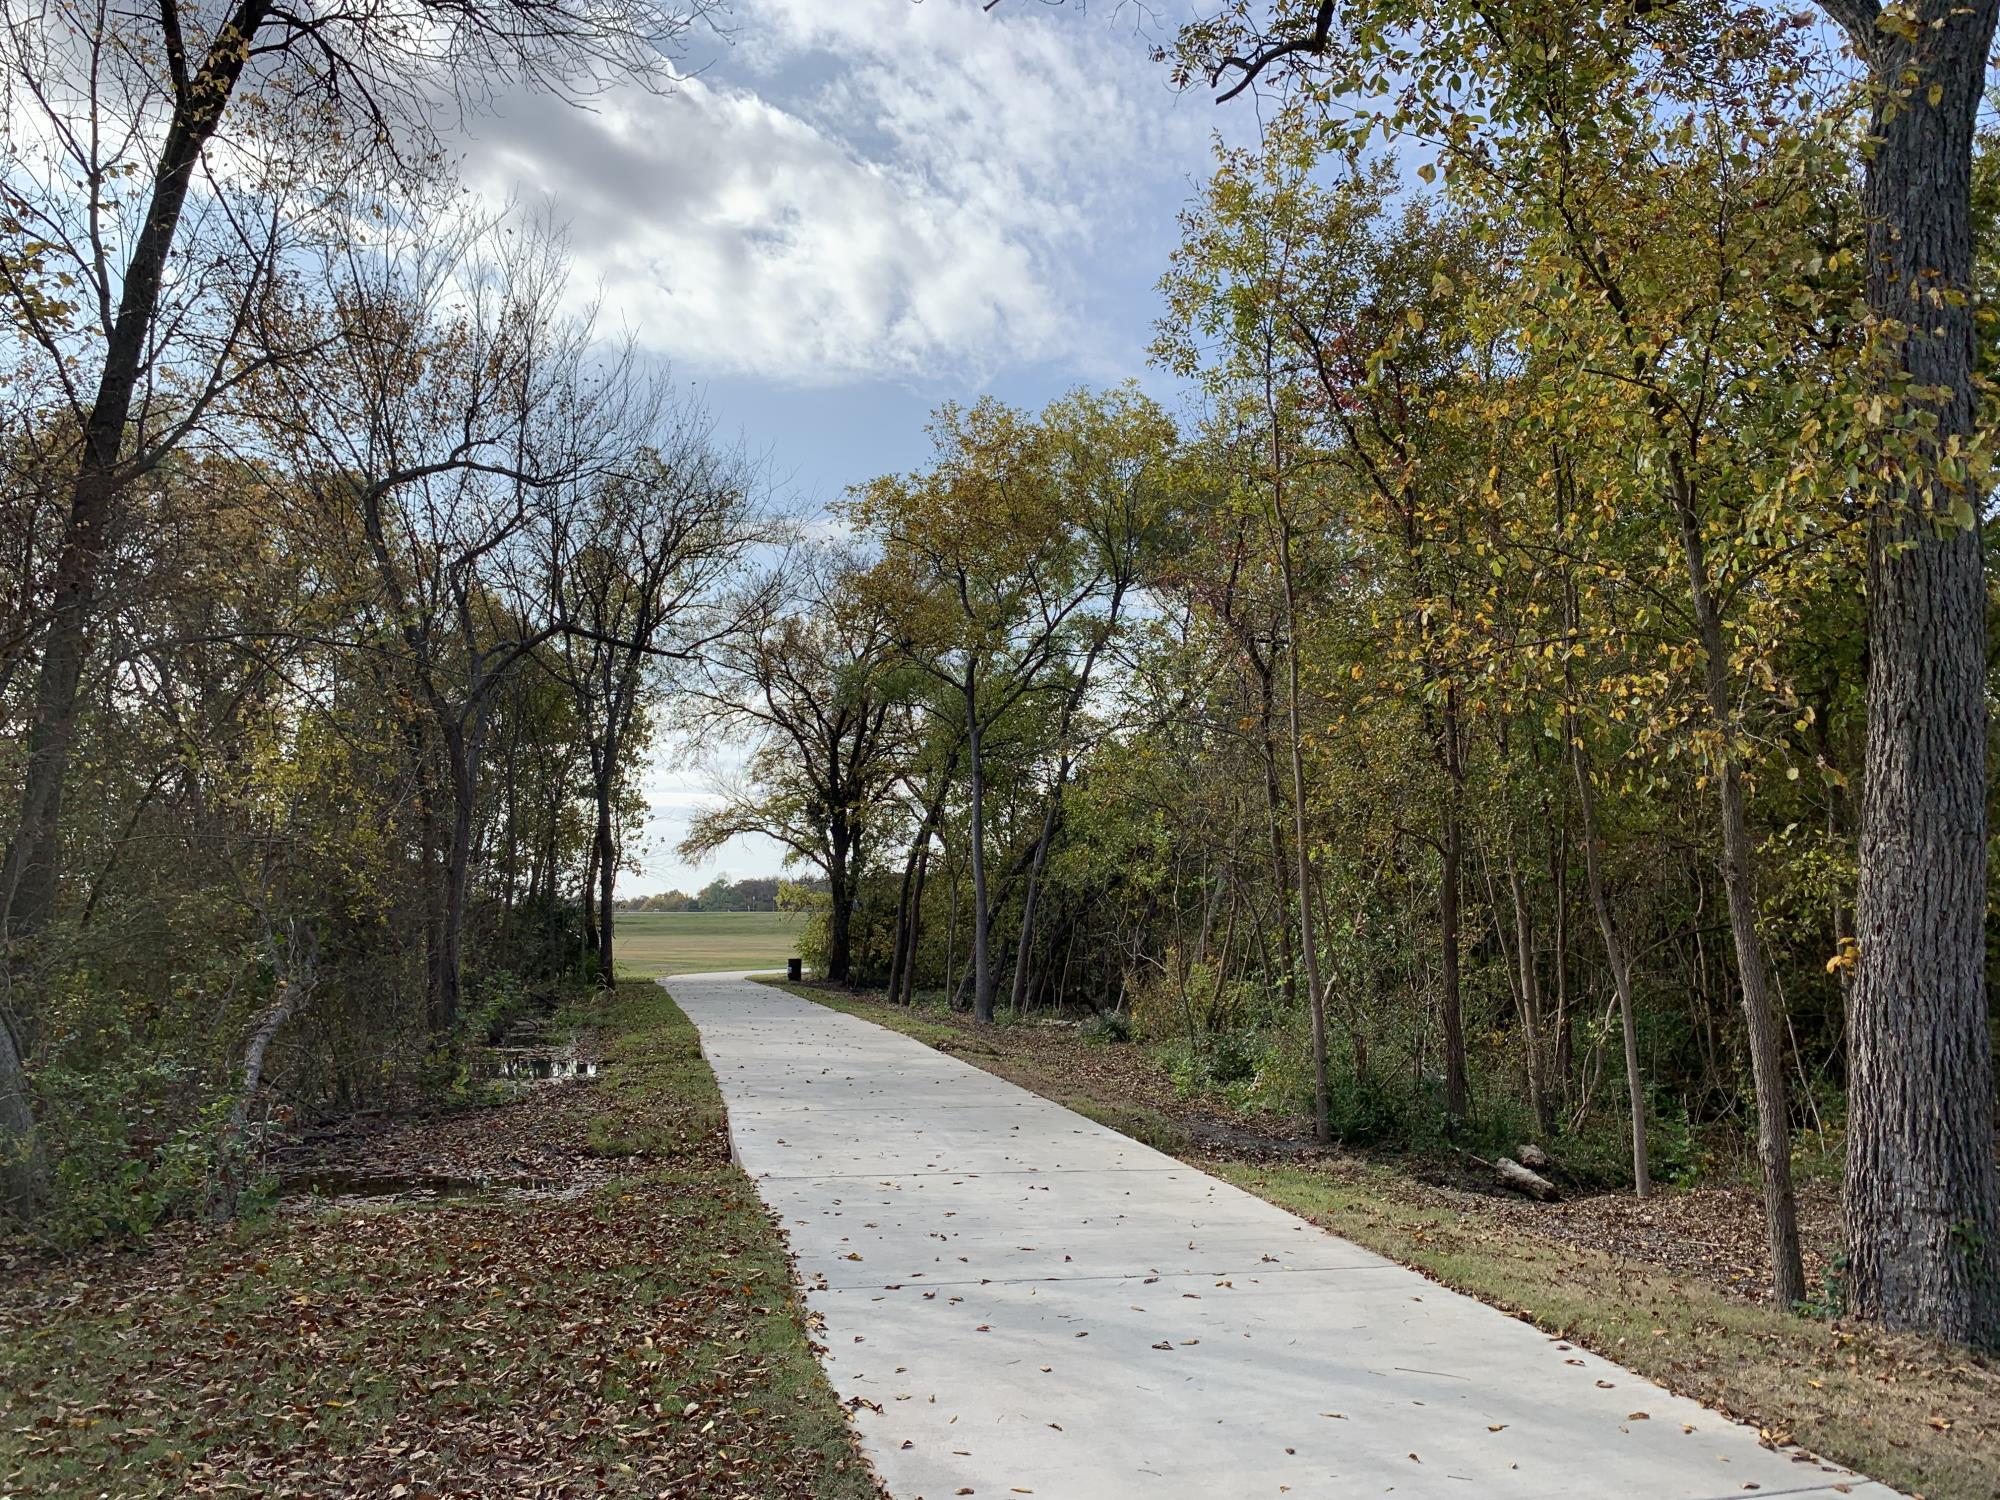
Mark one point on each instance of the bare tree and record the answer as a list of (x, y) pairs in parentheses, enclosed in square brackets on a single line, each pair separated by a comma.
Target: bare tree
[(808, 672), (454, 415), (640, 563)]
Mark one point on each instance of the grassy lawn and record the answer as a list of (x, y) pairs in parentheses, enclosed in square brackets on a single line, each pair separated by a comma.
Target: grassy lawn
[(655, 943), (1922, 1417), (636, 1337)]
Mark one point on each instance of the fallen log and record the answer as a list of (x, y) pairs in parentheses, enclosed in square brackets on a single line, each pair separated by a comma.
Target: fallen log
[(1531, 1155), (1517, 1177)]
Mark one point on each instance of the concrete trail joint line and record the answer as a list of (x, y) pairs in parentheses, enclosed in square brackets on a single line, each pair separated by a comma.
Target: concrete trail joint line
[(1192, 1384)]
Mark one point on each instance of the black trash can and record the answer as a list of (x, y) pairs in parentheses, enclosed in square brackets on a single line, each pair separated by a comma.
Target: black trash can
[(793, 970)]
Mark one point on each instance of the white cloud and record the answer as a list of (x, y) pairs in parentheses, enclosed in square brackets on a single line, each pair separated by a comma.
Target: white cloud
[(873, 188)]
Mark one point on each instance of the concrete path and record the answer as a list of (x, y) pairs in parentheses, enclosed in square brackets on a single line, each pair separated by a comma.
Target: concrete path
[(1023, 1302)]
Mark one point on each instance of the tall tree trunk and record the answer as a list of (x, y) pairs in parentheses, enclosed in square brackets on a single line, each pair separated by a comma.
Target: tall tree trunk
[(430, 883), (29, 874), (899, 942), (1308, 939), (916, 927), (951, 924), (1563, 1061), (982, 914), (590, 898), (606, 860), (1018, 997), (1531, 998), (1766, 1037), (1280, 881), (1457, 1100), (840, 907), (1621, 964), (1922, 1201), (1761, 1020), (511, 830), (446, 998), (21, 1163)]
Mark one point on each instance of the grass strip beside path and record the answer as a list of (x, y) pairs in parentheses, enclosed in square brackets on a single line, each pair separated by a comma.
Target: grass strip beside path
[(1920, 1416), (637, 1337)]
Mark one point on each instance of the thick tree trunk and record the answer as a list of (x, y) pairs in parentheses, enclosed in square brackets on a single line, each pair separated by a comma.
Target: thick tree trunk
[(1620, 959), (1512, 1174), (1922, 1202), (839, 915), (607, 886)]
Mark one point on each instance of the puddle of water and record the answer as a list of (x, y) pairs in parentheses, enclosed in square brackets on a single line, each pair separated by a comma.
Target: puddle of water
[(535, 1067)]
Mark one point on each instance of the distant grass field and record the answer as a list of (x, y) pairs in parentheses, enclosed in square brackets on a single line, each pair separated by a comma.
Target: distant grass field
[(652, 943)]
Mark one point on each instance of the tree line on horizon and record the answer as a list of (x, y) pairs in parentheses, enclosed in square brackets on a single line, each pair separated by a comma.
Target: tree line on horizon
[(751, 893)]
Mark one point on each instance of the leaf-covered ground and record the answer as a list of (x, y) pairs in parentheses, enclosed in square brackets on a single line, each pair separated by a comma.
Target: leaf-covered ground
[(622, 1326), (1665, 1287)]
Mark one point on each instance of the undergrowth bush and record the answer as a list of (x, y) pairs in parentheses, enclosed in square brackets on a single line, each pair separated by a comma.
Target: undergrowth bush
[(1107, 1027), (131, 1143)]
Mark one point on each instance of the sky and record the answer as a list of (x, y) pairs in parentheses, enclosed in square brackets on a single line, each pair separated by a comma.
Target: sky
[(851, 211)]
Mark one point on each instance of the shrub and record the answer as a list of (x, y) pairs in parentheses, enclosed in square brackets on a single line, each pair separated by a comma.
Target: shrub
[(1107, 1027), (132, 1142)]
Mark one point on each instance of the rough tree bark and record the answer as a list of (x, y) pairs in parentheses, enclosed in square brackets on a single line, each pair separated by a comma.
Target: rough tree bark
[(606, 861), (840, 900), (1922, 1202)]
